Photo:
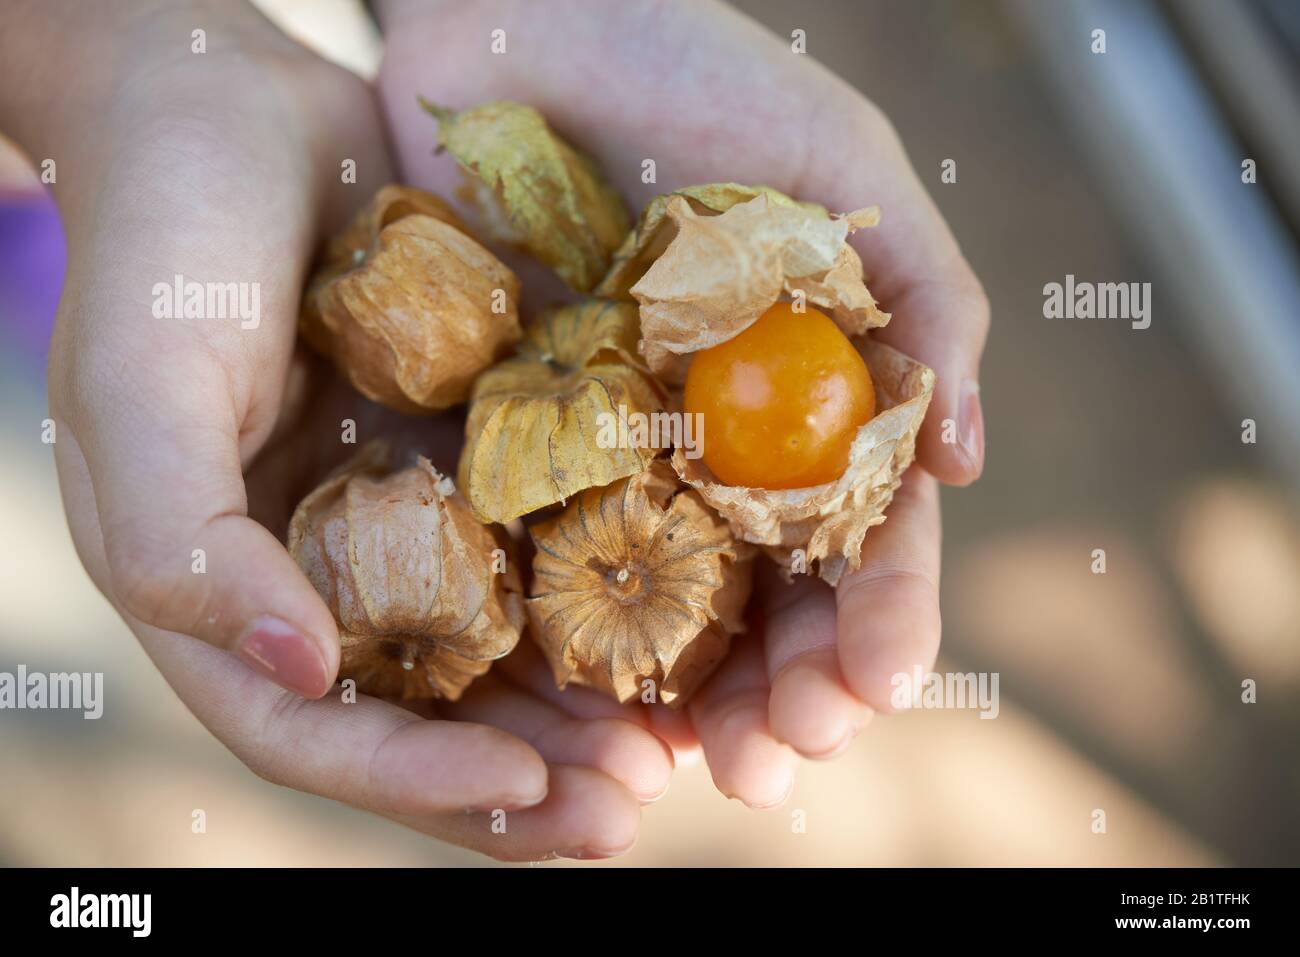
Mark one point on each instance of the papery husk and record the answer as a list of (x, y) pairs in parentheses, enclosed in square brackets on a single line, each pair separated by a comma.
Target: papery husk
[(541, 192), (533, 435), (404, 303), (638, 581), (655, 230), (828, 522), (410, 576), (705, 262)]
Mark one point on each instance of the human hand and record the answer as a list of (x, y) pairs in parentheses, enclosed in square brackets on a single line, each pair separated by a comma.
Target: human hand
[(710, 96), (178, 434)]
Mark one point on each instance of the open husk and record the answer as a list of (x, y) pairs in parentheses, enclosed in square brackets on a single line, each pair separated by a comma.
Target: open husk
[(705, 262), (537, 427), (426, 597), (825, 524), (538, 191), (638, 582), (408, 305)]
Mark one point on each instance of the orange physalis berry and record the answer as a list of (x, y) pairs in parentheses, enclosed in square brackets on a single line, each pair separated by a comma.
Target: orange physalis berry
[(781, 402)]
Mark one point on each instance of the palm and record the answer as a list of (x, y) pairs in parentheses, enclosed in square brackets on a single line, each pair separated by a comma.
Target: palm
[(709, 97)]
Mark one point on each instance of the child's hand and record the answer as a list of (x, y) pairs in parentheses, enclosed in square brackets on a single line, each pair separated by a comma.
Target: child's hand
[(224, 167), (709, 96)]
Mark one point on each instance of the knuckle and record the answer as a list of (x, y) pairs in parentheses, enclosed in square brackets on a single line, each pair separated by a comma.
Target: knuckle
[(981, 308), (262, 753), (966, 289), (905, 582), (81, 379), (146, 578)]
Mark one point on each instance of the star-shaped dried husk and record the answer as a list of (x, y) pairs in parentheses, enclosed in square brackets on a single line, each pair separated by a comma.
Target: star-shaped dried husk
[(424, 600), (707, 261), (542, 193), (828, 522), (536, 433), (638, 581), (408, 305)]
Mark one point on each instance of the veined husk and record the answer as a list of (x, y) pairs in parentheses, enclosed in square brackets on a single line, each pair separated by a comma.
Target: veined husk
[(638, 581), (536, 434), (408, 305), (544, 194), (426, 597), (654, 230), (828, 522), (705, 262)]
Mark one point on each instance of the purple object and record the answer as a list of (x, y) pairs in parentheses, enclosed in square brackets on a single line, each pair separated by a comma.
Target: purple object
[(32, 260)]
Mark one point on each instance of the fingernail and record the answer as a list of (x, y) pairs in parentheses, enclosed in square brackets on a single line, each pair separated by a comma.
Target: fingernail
[(286, 656), (970, 425)]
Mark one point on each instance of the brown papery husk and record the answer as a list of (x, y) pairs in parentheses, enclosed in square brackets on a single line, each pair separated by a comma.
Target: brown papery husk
[(655, 229), (706, 262), (638, 582), (425, 596), (535, 189), (828, 522), (533, 435), (408, 305)]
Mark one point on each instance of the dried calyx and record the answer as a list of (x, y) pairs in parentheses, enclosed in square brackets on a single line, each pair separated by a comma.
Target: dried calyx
[(408, 305), (638, 582), (542, 426), (425, 596), (824, 525), (706, 261), (534, 189)]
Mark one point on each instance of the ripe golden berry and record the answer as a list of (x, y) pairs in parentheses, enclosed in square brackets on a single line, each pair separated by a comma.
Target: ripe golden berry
[(781, 402)]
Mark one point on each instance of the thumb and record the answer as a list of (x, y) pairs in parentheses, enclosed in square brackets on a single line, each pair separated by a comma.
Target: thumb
[(161, 450)]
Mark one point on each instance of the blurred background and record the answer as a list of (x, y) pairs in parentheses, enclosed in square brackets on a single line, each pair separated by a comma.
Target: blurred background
[(1119, 691)]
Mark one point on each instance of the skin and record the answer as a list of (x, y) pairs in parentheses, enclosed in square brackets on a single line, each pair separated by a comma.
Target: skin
[(181, 435)]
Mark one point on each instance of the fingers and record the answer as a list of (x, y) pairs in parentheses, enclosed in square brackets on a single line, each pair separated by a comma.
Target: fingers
[(810, 709), (377, 756), (587, 815), (427, 774), (673, 727), (528, 669), (383, 758), (180, 552), (730, 714), (627, 753), (888, 610)]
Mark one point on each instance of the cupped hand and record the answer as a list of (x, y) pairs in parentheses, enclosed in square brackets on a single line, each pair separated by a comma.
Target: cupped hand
[(710, 96), (183, 442)]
